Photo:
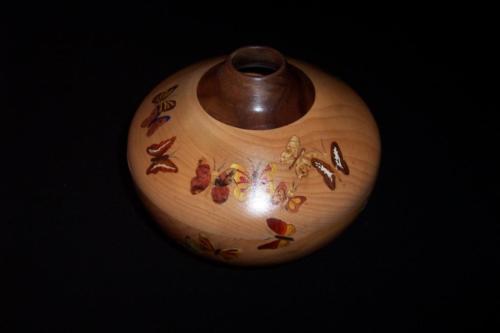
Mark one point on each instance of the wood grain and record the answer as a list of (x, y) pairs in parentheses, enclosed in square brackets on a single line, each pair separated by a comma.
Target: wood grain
[(277, 97), (338, 114)]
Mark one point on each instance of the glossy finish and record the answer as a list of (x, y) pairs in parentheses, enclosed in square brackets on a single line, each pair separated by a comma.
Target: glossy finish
[(255, 88), (254, 197)]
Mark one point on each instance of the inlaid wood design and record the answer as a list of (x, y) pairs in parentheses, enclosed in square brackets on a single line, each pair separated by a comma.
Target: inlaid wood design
[(326, 170), (220, 181), (261, 179), (238, 186), (161, 105), (204, 245), (283, 232), (286, 197), (160, 160)]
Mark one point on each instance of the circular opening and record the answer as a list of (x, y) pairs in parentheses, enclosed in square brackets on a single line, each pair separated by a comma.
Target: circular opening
[(256, 89), (257, 61)]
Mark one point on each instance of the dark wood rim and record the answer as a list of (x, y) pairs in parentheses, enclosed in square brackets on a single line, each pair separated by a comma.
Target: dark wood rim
[(277, 97), (279, 60)]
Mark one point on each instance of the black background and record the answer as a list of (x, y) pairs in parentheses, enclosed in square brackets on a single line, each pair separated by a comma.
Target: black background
[(79, 253)]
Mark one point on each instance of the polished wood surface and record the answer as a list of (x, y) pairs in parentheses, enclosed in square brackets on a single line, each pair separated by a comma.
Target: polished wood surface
[(255, 88), (239, 224)]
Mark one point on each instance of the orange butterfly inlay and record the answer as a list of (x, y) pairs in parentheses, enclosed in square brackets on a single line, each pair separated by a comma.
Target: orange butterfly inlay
[(284, 196), (259, 180), (221, 181), (283, 232)]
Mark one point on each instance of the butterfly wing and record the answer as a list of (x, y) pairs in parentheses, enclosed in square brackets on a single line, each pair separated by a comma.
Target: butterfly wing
[(277, 243), (161, 164), (220, 191), (291, 152), (220, 194), (225, 177), (229, 254), (280, 227), (167, 105), (203, 176), (280, 194), (151, 118), (266, 177), (191, 244), (326, 171), (293, 204), (158, 149), (338, 158), (156, 123), (205, 244), (164, 94), (242, 181)]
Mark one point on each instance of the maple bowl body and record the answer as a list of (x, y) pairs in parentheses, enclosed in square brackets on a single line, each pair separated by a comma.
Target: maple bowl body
[(253, 196)]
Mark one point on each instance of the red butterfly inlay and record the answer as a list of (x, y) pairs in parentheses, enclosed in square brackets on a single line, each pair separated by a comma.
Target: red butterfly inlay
[(220, 189), (283, 232), (160, 162), (203, 176)]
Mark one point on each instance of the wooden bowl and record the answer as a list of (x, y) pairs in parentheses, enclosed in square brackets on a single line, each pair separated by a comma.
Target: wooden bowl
[(252, 159)]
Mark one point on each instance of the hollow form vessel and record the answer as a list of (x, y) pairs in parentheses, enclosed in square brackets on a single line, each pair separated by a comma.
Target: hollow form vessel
[(253, 159)]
